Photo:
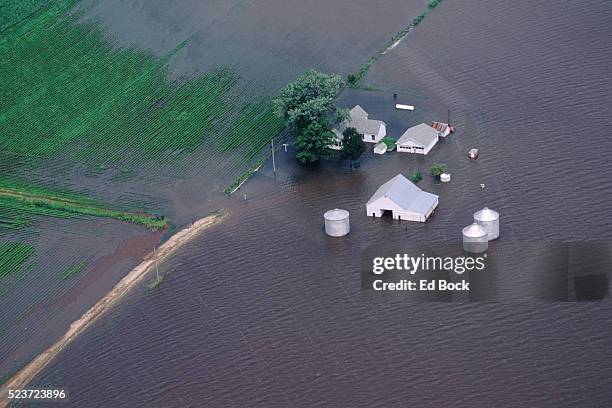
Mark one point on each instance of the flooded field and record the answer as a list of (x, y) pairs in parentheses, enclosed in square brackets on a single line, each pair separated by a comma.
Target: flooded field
[(261, 45), (265, 310)]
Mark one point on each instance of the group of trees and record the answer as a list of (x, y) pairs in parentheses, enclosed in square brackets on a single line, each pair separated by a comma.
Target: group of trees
[(309, 109), (435, 170), (308, 106), (310, 112)]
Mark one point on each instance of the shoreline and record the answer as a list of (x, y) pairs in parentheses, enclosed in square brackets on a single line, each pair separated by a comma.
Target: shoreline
[(118, 292)]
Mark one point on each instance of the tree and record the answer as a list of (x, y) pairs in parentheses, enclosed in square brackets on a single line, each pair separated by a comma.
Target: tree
[(308, 107), (351, 80), (438, 169), (352, 144), (313, 143), (320, 110), (307, 87), (416, 177)]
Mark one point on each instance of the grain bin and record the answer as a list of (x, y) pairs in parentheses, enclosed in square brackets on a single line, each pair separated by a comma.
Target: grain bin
[(475, 239), (489, 220), (337, 223)]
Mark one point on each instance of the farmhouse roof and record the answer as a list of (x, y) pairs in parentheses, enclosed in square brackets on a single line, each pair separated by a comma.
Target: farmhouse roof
[(405, 194), (422, 134), (358, 118), (358, 112)]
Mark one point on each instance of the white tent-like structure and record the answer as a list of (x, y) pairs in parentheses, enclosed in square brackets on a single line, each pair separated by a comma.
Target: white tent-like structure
[(404, 199)]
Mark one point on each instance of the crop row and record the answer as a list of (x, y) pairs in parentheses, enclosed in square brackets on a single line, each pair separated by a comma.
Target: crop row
[(12, 257), (15, 11), (73, 94)]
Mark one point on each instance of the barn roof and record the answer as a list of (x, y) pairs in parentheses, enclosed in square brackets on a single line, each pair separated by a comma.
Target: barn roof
[(405, 194), (422, 134)]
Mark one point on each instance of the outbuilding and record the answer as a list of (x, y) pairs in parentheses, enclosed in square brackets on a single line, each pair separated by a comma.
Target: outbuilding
[(373, 131), (419, 139), (404, 199), (443, 128), (380, 148)]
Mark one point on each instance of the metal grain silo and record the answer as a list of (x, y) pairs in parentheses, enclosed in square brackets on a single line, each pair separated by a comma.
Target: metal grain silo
[(489, 220), (337, 223), (475, 239)]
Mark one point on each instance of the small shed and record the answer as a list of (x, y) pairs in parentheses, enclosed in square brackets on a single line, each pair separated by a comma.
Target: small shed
[(380, 148), (443, 128), (404, 199)]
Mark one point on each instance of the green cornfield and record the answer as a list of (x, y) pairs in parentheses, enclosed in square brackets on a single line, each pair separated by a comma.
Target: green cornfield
[(13, 256), (69, 93)]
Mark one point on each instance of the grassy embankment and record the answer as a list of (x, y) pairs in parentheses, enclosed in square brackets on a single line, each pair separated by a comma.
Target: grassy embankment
[(354, 80), (47, 203)]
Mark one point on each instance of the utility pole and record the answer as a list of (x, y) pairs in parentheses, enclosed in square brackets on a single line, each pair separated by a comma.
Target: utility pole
[(273, 162)]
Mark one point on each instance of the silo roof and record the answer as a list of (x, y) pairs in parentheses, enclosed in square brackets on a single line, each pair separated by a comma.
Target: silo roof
[(474, 231), (486, 214), (336, 214)]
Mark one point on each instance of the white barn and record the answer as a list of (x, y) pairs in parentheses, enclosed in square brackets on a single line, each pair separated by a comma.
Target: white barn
[(372, 130), (404, 199), (419, 139)]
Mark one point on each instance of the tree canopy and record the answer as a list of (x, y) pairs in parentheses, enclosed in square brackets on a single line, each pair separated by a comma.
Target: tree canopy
[(313, 143), (438, 169), (308, 107), (352, 144), (312, 85)]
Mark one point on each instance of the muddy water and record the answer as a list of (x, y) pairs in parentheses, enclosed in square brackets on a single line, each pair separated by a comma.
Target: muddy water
[(264, 310), (268, 43)]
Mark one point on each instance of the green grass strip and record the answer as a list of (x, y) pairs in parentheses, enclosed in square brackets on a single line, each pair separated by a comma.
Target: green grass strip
[(62, 207), (354, 80)]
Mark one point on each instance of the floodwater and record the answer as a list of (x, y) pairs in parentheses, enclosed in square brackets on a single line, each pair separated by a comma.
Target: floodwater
[(268, 43), (264, 310)]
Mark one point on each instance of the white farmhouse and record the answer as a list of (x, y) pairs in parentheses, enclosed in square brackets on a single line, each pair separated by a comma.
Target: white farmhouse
[(418, 139), (404, 199), (372, 130)]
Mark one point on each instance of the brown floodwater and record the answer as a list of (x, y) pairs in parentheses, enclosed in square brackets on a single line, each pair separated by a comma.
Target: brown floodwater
[(38, 308), (265, 310)]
